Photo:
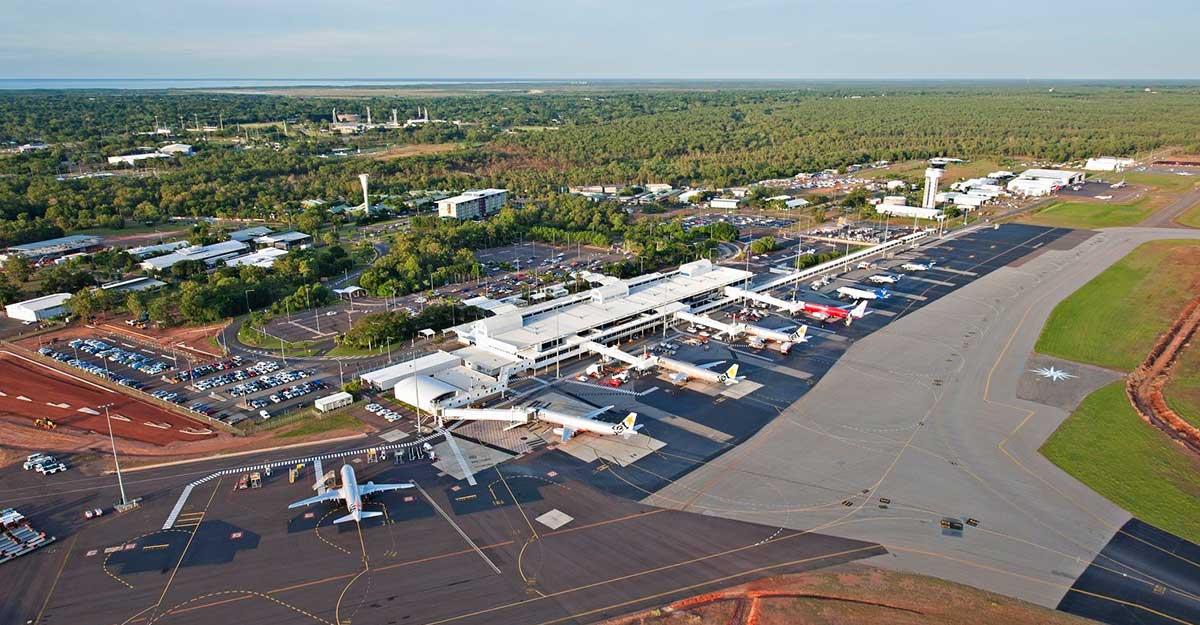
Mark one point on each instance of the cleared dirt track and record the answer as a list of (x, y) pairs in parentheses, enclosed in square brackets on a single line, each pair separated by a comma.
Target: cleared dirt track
[(31, 390)]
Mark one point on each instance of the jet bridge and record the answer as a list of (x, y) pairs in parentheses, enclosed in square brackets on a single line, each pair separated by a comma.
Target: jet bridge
[(730, 330), (640, 364), (784, 305)]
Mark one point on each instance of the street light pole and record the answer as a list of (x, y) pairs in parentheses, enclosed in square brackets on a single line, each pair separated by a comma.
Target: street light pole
[(113, 441)]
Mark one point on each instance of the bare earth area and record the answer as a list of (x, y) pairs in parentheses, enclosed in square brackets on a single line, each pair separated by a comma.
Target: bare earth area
[(1145, 384), (851, 596), (31, 390), (420, 149)]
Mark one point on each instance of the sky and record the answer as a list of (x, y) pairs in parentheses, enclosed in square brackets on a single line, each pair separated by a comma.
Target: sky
[(596, 39)]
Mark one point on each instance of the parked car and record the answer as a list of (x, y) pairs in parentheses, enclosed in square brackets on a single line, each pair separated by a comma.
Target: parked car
[(32, 460), (48, 468)]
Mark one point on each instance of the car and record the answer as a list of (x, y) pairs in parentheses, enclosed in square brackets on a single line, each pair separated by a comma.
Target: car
[(264, 414), (331, 313), (93, 513), (32, 460), (48, 468)]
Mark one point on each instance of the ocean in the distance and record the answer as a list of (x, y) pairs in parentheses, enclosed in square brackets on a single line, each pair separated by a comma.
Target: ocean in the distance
[(220, 83)]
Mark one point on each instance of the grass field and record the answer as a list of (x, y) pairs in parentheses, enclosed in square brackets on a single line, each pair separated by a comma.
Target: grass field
[(1114, 320), (1183, 391), (1191, 217), (1105, 445), (416, 149), (1075, 214), (338, 421), (1170, 183)]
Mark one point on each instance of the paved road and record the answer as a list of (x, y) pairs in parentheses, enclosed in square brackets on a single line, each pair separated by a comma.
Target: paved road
[(922, 417), (1165, 218)]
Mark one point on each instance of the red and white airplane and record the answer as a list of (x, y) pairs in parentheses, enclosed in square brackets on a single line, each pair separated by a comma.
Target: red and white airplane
[(826, 312)]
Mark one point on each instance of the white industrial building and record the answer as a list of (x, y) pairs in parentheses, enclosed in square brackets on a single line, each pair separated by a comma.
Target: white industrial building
[(264, 258), (333, 402), (473, 204), (248, 234), (37, 309), (150, 250), (728, 203), (1037, 182), (210, 254), (901, 210), (385, 379), (285, 240), (1108, 163), (133, 284), (130, 159), (52, 248)]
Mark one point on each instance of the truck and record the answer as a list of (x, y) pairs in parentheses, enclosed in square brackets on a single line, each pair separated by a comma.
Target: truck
[(622, 377), (595, 370)]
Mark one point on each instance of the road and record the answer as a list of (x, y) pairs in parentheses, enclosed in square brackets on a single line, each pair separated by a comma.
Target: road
[(947, 437)]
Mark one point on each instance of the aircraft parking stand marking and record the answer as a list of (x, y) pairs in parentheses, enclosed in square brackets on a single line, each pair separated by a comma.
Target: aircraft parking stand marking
[(187, 490), (930, 280)]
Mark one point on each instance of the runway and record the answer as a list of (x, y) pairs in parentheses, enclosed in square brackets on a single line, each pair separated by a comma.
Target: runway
[(919, 423)]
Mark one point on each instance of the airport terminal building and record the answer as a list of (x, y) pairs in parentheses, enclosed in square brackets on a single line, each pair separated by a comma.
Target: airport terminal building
[(515, 340)]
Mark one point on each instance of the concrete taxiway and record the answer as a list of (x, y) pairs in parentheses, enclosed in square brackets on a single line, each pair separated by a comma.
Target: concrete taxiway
[(921, 422)]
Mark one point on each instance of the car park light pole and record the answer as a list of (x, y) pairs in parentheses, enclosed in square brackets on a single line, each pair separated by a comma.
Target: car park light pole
[(113, 441)]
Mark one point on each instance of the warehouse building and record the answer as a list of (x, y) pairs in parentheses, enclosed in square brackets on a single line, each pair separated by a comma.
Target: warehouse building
[(162, 248), (473, 204), (40, 308), (333, 402), (133, 284), (1108, 163), (210, 254), (53, 248), (264, 258), (727, 203), (1038, 182), (249, 234), (284, 240), (901, 210)]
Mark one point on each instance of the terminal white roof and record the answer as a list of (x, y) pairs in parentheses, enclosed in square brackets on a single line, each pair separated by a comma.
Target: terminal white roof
[(200, 252), (609, 303), (1061, 175), (387, 377), (423, 391)]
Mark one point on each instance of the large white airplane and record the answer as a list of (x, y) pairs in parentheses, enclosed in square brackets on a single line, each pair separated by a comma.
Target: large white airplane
[(569, 425), (850, 292), (351, 492), (916, 266), (686, 371)]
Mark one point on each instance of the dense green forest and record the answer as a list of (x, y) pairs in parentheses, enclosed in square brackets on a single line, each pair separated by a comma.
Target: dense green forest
[(694, 137)]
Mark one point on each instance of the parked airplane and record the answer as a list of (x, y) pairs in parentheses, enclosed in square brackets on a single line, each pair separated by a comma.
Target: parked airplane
[(850, 292), (687, 371), (884, 278), (570, 425), (917, 266), (825, 312), (351, 492)]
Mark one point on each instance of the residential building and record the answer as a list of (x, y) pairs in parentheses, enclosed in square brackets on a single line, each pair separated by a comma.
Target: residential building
[(473, 204)]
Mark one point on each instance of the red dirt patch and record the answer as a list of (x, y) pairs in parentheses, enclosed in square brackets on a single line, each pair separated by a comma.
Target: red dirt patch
[(854, 595), (1144, 386), (59, 396)]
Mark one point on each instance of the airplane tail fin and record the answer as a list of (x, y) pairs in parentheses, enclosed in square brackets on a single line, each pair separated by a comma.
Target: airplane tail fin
[(858, 312), (731, 374), (629, 425), (801, 335)]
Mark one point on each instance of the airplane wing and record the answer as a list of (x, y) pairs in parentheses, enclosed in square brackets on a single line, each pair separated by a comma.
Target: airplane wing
[(597, 412), (331, 495), (372, 487), (710, 365)]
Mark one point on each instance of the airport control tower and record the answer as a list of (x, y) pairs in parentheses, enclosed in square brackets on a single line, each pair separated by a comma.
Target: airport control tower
[(932, 176)]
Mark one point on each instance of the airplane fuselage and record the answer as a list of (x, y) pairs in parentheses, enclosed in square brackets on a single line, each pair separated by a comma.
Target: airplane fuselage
[(350, 492)]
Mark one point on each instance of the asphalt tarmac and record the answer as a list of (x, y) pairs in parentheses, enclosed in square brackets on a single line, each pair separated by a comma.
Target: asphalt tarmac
[(919, 424)]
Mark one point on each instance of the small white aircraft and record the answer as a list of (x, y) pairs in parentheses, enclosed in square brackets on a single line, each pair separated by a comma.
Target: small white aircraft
[(884, 278), (351, 492), (849, 292), (917, 266)]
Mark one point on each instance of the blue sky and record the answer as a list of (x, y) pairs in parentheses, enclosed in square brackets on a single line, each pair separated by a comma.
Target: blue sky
[(599, 39)]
